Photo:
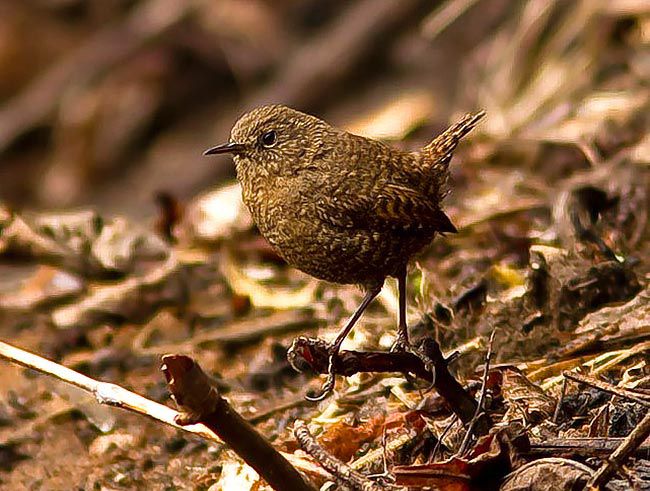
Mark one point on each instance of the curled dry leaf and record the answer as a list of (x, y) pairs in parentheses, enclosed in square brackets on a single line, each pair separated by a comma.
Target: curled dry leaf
[(191, 388), (576, 286), (261, 295), (120, 246), (42, 289), (135, 298), (552, 474), (628, 321), (526, 401), (562, 288), (606, 205), (81, 242), (343, 440), (489, 460)]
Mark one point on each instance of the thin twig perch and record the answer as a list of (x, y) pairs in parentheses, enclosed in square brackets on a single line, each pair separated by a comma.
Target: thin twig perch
[(312, 353)]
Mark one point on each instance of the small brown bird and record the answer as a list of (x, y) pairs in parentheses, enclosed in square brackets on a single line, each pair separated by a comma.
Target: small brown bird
[(341, 207)]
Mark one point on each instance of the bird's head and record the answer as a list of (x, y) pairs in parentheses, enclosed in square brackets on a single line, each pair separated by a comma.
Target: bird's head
[(273, 141)]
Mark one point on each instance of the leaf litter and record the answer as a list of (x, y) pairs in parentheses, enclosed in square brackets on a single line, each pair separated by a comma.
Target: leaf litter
[(551, 199)]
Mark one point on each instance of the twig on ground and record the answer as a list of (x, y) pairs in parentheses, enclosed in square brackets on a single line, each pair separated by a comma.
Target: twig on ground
[(478, 414), (639, 398), (342, 472), (379, 453), (312, 353), (438, 446), (105, 393), (556, 413), (116, 396), (200, 401), (582, 447), (620, 455), (456, 396)]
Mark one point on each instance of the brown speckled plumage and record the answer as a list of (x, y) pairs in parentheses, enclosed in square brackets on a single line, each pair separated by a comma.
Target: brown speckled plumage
[(338, 206)]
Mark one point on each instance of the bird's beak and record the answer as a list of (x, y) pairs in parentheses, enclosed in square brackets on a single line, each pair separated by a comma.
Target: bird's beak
[(225, 148)]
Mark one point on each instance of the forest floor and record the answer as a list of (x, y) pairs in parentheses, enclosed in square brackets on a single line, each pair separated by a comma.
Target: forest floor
[(546, 284)]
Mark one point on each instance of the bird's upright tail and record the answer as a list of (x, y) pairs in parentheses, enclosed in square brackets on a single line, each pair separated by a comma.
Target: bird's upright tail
[(434, 157), (443, 145)]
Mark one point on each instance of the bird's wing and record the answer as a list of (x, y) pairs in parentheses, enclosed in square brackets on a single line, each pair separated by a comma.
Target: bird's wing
[(380, 204), (401, 205), (373, 187)]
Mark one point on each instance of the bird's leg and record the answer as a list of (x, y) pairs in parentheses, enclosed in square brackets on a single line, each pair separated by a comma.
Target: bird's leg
[(402, 341), (333, 349)]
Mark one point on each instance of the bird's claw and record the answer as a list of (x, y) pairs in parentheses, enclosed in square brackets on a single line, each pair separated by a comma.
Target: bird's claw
[(401, 344), (429, 365), (328, 386)]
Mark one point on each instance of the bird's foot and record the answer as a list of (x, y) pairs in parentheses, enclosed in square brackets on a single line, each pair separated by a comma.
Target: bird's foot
[(401, 344), (327, 388), (429, 364)]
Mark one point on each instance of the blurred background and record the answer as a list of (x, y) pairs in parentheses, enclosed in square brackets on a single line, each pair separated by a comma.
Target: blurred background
[(120, 242), (108, 102)]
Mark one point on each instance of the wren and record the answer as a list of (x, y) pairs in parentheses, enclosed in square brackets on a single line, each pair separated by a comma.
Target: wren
[(341, 207)]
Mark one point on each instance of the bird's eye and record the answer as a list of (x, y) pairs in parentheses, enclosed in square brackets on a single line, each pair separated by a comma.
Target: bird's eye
[(268, 138)]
